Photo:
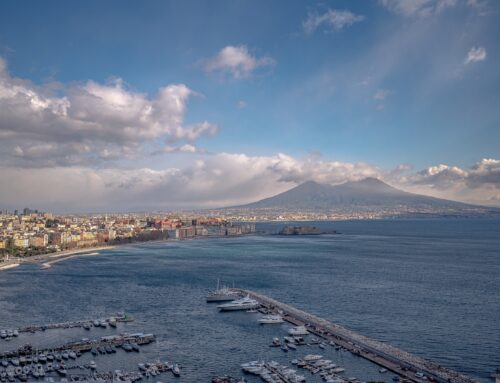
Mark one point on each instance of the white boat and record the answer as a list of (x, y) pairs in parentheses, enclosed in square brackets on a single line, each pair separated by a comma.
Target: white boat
[(92, 365), (223, 294), (298, 331), (176, 370), (312, 357), (246, 303), (271, 319)]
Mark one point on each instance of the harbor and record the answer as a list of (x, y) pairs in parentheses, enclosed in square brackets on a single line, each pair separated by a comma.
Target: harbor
[(402, 363), (76, 360)]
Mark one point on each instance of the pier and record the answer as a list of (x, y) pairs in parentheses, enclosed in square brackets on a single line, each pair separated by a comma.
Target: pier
[(83, 345), (394, 359), (120, 317)]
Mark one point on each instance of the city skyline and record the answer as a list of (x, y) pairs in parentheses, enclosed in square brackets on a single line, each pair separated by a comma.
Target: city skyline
[(125, 106)]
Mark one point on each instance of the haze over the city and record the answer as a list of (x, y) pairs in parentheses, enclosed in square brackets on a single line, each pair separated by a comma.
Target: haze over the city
[(123, 105)]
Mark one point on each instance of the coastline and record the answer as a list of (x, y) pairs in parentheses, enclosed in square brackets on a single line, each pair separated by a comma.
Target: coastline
[(50, 258)]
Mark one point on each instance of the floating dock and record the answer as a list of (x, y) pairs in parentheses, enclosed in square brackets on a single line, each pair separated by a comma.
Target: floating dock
[(394, 359)]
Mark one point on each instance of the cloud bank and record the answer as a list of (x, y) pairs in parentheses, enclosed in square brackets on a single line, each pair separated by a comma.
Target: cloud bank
[(227, 179)]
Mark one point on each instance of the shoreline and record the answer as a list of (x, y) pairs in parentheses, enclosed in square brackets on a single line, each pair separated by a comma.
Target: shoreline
[(50, 258), (47, 260)]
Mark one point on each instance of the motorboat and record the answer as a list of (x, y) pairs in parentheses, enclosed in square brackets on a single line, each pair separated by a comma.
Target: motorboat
[(271, 319), (246, 303), (298, 331), (176, 370)]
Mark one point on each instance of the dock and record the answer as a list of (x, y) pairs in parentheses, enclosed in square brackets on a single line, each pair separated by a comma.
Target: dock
[(404, 364), (83, 345), (121, 317)]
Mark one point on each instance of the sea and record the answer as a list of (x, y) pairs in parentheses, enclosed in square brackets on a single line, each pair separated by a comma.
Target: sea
[(428, 286)]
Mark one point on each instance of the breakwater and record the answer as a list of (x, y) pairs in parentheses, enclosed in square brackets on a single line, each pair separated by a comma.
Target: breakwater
[(407, 365)]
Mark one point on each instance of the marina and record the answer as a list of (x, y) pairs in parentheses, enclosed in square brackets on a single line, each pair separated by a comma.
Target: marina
[(388, 357)]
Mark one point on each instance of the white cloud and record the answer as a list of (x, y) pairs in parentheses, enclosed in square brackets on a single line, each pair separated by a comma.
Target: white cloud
[(475, 54), (88, 122), (236, 60), (420, 8), (332, 19), (241, 104), (186, 148)]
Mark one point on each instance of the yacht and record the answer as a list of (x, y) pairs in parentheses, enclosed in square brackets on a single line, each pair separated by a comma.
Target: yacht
[(92, 365), (240, 304), (271, 319), (298, 330), (223, 294)]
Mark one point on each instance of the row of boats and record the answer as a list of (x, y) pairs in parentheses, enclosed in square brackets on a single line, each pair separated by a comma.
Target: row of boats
[(9, 334), (28, 372), (40, 358), (103, 323), (272, 372)]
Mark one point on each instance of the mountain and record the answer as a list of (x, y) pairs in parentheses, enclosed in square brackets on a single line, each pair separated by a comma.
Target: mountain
[(369, 194)]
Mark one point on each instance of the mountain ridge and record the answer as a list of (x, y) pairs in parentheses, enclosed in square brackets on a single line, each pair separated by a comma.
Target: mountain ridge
[(363, 195)]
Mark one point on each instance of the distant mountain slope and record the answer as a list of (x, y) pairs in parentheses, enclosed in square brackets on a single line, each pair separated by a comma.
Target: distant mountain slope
[(369, 193)]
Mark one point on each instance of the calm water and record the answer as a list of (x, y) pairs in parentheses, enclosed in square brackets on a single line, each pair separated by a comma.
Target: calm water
[(430, 287)]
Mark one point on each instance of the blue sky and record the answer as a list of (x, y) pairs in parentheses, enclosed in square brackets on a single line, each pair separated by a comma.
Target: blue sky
[(392, 84)]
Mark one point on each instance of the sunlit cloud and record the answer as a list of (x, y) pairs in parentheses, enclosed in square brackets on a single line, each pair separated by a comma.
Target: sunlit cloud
[(237, 61)]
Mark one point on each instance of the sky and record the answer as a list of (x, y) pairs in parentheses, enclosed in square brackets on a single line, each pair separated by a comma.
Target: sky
[(163, 105)]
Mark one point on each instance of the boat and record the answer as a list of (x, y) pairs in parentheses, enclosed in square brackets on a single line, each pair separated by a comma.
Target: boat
[(15, 332), (270, 319), (87, 326), (312, 357), (298, 330), (135, 347), (292, 346), (112, 322), (276, 342), (240, 304), (284, 347), (127, 347), (92, 365), (176, 370), (383, 370), (223, 294)]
